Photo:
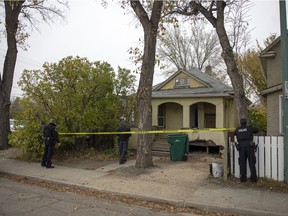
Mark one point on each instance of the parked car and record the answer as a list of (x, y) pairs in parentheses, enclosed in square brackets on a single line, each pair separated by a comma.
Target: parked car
[(13, 125)]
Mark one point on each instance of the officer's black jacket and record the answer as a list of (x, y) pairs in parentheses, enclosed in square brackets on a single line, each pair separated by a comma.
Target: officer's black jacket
[(244, 135), (50, 132), (123, 137)]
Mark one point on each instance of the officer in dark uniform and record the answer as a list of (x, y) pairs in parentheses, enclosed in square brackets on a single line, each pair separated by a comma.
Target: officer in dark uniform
[(244, 135), (123, 141), (50, 139)]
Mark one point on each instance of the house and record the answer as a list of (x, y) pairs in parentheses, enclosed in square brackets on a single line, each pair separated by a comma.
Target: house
[(270, 62), (193, 99)]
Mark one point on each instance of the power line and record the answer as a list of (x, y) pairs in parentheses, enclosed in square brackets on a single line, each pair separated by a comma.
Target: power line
[(23, 60)]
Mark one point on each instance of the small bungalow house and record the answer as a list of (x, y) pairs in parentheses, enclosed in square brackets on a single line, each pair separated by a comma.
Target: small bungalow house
[(270, 62), (193, 99)]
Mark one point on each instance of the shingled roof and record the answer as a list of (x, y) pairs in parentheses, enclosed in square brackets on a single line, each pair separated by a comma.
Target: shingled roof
[(214, 88)]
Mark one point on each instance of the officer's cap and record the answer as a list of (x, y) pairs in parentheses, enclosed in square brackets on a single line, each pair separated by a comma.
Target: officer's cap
[(52, 121)]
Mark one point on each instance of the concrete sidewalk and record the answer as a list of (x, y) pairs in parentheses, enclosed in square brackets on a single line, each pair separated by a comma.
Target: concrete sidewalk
[(239, 201)]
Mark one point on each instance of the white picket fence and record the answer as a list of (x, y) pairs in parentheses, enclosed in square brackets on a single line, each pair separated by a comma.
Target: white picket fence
[(269, 158)]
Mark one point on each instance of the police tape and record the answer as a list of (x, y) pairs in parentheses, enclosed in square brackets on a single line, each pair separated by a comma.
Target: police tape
[(152, 131)]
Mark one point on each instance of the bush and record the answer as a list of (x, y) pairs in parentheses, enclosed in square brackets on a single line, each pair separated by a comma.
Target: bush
[(258, 118), (29, 139)]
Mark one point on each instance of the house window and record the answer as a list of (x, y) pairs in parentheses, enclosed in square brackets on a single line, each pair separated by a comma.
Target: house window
[(280, 114), (181, 82), (161, 114), (210, 120), (160, 121)]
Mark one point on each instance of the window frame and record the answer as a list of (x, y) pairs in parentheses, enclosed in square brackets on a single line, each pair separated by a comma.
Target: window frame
[(181, 82)]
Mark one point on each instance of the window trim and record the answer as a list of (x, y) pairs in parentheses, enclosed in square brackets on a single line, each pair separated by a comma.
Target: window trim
[(179, 80)]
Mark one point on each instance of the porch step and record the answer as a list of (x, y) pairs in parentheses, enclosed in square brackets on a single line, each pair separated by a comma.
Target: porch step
[(160, 147), (160, 153)]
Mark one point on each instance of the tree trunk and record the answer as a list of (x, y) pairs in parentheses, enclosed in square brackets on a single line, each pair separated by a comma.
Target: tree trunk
[(12, 11), (144, 150), (150, 26), (227, 53), (4, 117), (233, 72)]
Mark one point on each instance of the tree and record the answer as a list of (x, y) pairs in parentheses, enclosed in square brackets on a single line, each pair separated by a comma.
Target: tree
[(150, 26), (16, 107), (214, 12), (254, 79), (195, 48), (75, 91), (12, 11), (258, 117), (125, 89), (16, 36), (125, 84), (249, 67), (78, 93)]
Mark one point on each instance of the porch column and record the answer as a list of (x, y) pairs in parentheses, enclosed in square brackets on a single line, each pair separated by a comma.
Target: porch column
[(201, 115), (186, 116), (220, 117), (155, 114)]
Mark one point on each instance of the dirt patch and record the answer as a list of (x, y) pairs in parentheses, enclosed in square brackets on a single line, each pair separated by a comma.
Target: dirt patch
[(191, 173), (11, 153), (188, 174)]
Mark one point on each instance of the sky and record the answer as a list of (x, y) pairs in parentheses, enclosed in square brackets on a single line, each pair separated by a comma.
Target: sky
[(106, 35)]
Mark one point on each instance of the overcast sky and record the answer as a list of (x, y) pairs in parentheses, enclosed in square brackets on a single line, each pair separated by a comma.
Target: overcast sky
[(106, 34)]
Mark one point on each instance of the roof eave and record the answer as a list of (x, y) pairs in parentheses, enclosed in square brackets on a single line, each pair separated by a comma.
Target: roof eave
[(271, 90), (195, 96)]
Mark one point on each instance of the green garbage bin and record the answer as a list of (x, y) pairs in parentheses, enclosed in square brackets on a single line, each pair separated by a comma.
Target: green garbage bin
[(178, 146)]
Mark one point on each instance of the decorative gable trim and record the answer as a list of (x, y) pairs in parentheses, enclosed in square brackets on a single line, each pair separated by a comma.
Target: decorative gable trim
[(171, 78), (207, 86)]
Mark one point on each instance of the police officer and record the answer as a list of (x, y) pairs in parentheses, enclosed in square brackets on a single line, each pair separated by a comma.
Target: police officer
[(123, 141), (244, 135), (50, 139)]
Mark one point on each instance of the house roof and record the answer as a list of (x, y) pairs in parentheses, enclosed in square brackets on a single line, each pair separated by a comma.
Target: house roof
[(272, 89), (271, 45), (212, 87), (268, 53)]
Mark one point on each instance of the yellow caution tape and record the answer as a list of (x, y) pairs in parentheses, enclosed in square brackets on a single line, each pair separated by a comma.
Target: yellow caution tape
[(152, 131)]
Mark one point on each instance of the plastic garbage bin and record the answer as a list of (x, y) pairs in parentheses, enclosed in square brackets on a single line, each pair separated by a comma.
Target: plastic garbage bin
[(178, 146)]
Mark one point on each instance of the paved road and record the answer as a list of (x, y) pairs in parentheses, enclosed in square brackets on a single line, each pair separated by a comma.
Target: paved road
[(20, 199)]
